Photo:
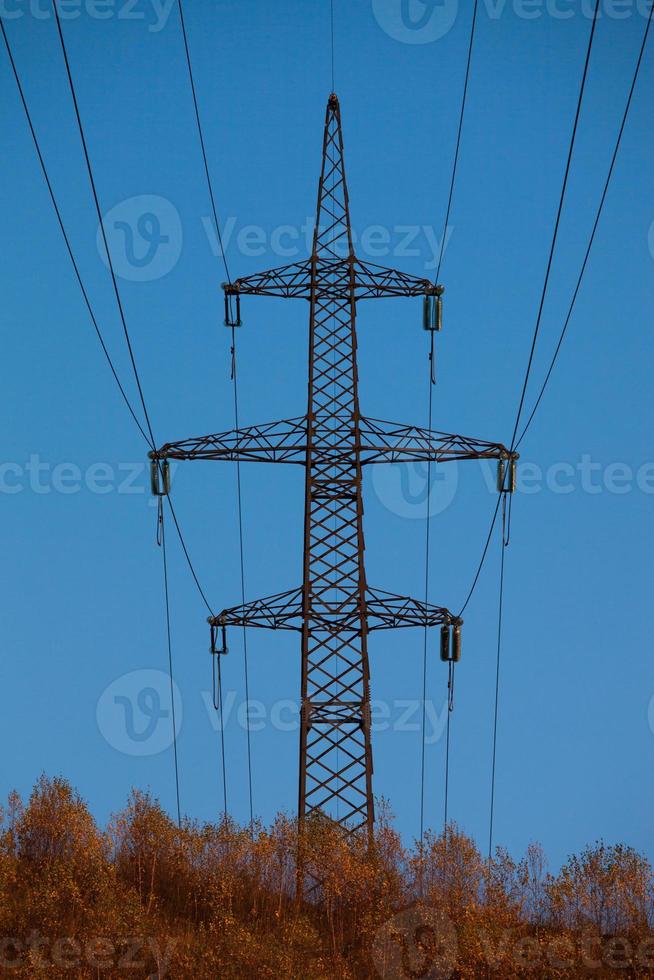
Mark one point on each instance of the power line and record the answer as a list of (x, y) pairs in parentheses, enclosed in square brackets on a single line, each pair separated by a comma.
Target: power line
[(543, 293), (187, 555), (117, 380), (96, 200), (214, 209), (482, 559), (432, 381), (217, 688), (518, 415), (84, 292), (450, 709), (458, 139), (595, 226), (424, 646), (557, 222), (538, 400), (151, 440), (242, 564), (64, 232), (503, 545), (201, 137), (170, 658), (89, 170)]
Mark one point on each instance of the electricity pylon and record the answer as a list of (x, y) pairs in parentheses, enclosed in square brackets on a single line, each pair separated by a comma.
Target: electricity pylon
[(334, 609)]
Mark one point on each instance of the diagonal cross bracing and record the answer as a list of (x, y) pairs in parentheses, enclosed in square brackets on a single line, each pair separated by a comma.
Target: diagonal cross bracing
[(334, 609)]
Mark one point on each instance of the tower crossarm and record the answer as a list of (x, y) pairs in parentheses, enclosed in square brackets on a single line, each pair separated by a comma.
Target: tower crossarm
[(391, 442), (333, 279), (376, 281), (287, 281), (273, 442), (385, 610), (381, 442)]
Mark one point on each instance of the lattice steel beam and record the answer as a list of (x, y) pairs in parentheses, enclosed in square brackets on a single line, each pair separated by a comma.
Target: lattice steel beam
[(384, 610), (334, 610), (381, 442)]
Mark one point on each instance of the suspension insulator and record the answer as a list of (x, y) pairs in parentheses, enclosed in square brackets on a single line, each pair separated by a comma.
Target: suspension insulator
[(501, 475), (513, 476), (215, 633), (160, 477), (456, 643), (438, 303), (445, 643), (432, 312), (507, 474), (232, 307)]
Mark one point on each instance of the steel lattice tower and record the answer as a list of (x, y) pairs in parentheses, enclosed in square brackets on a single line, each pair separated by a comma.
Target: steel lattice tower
[(334, 609)]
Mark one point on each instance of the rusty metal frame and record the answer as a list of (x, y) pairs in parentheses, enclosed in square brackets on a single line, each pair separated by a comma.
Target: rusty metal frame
[(334, 609), (380, 442)]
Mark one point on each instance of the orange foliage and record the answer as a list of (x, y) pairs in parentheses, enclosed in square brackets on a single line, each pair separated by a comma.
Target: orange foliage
[(144, 898)]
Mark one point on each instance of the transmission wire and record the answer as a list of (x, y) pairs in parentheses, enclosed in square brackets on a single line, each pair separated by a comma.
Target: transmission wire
[(594, 230), (503, 545), (214, 210), (170, 661), (65, 234), (518, 415), (432, 382), (556, 223), (458, 139), (543, 292), (98, 209)]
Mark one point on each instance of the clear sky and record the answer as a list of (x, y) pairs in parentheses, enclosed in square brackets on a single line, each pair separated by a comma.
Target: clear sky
[(82, 600)]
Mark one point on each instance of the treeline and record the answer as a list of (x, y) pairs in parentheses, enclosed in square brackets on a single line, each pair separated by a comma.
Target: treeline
[(146, 899)]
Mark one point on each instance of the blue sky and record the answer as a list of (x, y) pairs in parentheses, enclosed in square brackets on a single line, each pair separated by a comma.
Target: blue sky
[(82, 609)]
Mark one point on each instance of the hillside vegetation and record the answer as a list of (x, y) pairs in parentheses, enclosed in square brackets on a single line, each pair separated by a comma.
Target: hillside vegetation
[(144, 898)]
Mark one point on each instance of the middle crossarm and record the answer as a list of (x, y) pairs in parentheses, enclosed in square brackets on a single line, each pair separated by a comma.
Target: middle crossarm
[(381, 442), (371, 281), (385, 610)]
